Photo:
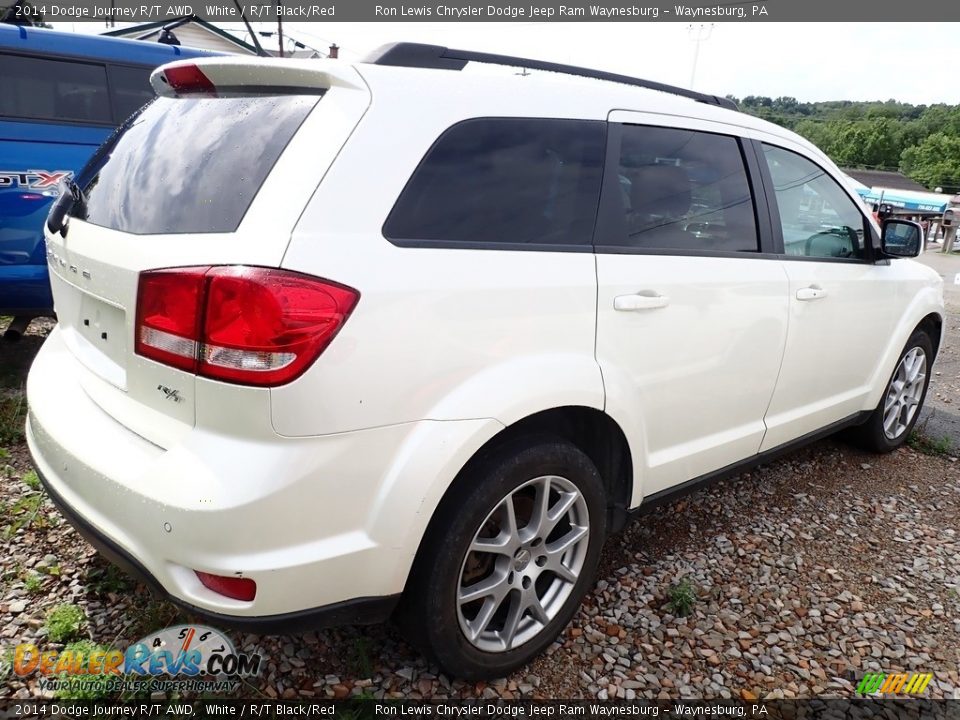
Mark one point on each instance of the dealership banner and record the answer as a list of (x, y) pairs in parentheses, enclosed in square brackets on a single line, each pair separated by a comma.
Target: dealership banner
[(492, 10)]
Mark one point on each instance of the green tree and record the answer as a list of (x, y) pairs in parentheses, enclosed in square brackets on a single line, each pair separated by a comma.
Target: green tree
[(920, 140), (940, 118), (820, 134), (935, 162), (871, 143)]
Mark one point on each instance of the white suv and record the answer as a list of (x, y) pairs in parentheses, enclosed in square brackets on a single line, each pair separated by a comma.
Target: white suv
[(343, 342)]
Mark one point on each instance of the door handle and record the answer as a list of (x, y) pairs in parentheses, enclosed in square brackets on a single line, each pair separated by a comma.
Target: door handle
[(811, 293), (643, 300)]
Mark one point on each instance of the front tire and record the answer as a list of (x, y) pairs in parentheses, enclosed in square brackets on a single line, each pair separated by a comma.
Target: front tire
[(890, 423), (513, 550)]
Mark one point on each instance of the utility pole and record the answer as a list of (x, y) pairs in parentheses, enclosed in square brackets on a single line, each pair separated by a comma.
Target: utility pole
[(699, 34), (280, 25)]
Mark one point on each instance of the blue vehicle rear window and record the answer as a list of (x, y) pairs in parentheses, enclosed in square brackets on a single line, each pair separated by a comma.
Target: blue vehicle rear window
[(42, 89), (188, 165), (131, 89)]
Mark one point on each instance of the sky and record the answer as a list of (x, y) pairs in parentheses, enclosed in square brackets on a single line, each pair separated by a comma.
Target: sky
[(910, 62)]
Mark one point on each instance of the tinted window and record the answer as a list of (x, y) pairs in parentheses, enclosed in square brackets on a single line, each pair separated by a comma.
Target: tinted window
[(188, 165), (504, 181), (684, 190), (818, 218), (42, 89), (130, 89)]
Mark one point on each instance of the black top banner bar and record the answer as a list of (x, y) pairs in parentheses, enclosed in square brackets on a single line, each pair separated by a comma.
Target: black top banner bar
[(324, 11), (485, 710)]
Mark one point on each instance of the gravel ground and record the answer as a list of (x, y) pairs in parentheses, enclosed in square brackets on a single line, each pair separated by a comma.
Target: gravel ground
[(941, 413), (804, 574)]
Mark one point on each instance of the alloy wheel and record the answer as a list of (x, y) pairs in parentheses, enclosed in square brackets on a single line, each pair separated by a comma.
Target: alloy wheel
[(904, 393), (523, 563)]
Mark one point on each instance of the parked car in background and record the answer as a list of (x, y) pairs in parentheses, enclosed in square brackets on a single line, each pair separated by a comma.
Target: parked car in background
[(61, 95), (305, 373)]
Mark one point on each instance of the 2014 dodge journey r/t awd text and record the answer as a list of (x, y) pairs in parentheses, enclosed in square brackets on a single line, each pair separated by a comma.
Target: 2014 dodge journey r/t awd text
[(345, 342)]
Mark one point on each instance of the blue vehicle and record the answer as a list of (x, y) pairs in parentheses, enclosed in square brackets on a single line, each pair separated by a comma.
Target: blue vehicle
[(61, 95)]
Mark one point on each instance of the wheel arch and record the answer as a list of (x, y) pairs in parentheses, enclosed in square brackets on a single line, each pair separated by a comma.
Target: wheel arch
[(594, 432), (597, 435), (925, 313), (932, 324)]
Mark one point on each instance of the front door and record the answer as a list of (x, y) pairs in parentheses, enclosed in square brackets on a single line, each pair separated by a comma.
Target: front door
[(843, 306)]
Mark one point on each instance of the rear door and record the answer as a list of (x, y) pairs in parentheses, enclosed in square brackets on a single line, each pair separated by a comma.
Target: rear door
[(692, 312), (188, 181)]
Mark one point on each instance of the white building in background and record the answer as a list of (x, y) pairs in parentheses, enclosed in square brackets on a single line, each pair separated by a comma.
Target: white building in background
[(199, 33)]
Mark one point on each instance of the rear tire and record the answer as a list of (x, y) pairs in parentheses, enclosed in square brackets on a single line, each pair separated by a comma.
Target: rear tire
[(891, 422), (507, 560)]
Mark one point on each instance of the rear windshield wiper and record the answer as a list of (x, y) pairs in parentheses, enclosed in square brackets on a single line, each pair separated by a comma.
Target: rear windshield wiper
[(71, 201)]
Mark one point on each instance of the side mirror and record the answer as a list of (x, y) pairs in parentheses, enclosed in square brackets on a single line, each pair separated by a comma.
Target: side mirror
[(901, 238)]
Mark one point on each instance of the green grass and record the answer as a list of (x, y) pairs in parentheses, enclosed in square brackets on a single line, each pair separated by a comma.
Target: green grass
[(928, 445), (33, 583), (31, 480), (11, 572), (359, 660), (6, 661), (154, 615), (106, 579), (13, 417), (22, 513), (64, 623), (681, 598)]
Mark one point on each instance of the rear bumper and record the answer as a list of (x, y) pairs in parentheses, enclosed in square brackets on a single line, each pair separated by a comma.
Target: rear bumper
[(359, 611), (326, 526)]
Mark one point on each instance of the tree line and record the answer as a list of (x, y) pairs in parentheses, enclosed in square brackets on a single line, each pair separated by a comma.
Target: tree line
[(921, 141)]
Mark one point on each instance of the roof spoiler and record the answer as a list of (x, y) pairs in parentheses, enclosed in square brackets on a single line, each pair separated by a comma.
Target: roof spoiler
[(219, 76), (437, 57)]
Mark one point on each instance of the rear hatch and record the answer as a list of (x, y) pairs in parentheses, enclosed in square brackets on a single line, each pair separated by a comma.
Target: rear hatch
[(214, 172)]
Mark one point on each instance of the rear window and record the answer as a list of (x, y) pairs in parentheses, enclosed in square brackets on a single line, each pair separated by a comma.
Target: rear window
[(504, 182), (188, 165), (41, 89), (684, 190), (130, 88)]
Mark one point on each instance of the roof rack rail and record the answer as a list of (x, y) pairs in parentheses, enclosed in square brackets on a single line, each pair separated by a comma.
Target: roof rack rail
[(437, 57)]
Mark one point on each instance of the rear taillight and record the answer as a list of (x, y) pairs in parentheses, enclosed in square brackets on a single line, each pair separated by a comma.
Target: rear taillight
[(252, 326), (188, 80), (168, 327)]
